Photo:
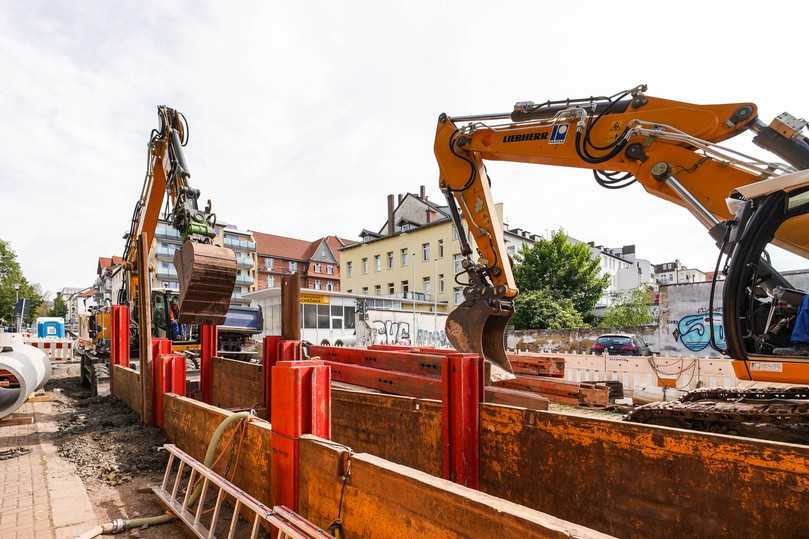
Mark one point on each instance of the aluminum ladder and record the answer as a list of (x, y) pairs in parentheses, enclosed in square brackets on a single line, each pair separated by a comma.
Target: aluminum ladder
[(186, 498)]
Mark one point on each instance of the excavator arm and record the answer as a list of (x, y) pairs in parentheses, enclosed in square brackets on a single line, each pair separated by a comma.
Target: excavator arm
[(669, 147), (206, 272)]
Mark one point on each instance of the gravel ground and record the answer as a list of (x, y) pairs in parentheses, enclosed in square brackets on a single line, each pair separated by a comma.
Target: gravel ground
[(103, 438)]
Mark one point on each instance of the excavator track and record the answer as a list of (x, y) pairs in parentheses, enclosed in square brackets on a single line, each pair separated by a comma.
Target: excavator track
[(771, 413)]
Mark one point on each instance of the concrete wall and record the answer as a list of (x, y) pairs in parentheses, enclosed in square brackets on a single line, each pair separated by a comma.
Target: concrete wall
[(683, 327), (685, 320), (396, 327)]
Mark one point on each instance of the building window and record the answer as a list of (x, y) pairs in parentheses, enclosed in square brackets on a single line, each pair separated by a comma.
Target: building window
[(390, 259), (293, 266), (427, 285), (425, 252), (441, 248), (403, 255), (317, 284), (329, 269), (454, 232), (364, 290), (405, 288), (268, 263), (378, 290), (457, 263), (364, 266), (391, 289), (457, 295), (440, 283), (348, 269), (329, 286), (271, 281), (378, 263), (318, 268)]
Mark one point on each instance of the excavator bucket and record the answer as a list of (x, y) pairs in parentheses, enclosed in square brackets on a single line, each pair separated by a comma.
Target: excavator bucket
[(207, 276), (475, 326)]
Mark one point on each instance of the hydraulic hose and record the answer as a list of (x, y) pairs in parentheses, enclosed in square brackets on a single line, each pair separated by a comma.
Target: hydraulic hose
[(120, 525)]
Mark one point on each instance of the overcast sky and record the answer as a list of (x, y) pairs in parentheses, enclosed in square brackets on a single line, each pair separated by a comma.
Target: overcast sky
[(305, 115)]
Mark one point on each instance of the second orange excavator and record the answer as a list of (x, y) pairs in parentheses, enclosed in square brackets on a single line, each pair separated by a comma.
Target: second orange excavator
[(672, 149)]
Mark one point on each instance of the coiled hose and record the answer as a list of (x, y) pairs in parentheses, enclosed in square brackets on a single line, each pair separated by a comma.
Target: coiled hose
[(119, 525)]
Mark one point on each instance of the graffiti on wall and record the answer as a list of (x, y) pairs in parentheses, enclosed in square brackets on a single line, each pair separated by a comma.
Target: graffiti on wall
[(693, 331), (396, 327)]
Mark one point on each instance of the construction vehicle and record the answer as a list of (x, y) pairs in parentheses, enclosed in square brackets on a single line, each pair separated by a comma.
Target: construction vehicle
[(672, 149), (207, 272)]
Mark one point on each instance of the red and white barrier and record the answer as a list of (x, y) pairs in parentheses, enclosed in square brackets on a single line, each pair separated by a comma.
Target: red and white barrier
[(56, 349)]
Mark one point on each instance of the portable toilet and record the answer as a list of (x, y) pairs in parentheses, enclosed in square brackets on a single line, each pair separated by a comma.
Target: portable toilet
[(50, 327)]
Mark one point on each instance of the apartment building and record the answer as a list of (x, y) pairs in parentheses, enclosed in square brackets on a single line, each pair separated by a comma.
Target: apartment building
[(317, 262), (414, 255), (676, 273), (108, 279)]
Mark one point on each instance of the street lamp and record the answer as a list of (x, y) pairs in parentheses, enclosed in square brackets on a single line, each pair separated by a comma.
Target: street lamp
[(16, 304)]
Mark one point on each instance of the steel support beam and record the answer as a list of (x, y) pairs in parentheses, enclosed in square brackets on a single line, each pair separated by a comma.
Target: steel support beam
[(463, 393), (209, 340)]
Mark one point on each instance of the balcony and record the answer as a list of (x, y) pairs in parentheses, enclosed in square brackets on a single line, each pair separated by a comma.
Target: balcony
[(244, 279), (165, 254), (167, 273), (239, 244), (167, 232), (244, 262)]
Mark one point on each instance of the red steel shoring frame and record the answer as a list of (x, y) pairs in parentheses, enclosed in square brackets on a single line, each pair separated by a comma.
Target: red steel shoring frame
[(269, 357), (119, 345), (209, 339), (460, 387), (300, 404), (169, 377)]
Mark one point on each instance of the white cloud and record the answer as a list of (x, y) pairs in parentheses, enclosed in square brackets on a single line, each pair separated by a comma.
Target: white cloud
[(304, 116)]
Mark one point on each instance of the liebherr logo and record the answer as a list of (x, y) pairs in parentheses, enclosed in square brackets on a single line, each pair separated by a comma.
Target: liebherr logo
[(525, 137)]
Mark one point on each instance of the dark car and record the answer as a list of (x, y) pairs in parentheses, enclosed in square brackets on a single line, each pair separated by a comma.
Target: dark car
[(621, 344)]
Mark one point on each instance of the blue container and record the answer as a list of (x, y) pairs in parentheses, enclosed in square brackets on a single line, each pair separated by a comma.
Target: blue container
[(51, 327)]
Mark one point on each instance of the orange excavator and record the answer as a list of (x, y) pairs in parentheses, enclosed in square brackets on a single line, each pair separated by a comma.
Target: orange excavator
[(206, 271), (672, 149)]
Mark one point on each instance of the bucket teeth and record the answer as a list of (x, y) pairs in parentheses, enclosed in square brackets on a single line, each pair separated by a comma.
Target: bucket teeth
[(477, 327), (207, 275)]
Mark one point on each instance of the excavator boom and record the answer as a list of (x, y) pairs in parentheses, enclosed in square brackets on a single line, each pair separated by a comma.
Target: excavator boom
[(206, 271), (671, 148)]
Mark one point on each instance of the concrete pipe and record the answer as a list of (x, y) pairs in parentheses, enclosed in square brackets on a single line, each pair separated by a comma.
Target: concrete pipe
[(29, 365)]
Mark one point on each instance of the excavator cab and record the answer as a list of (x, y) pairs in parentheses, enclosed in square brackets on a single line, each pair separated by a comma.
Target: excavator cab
[(761, 303)]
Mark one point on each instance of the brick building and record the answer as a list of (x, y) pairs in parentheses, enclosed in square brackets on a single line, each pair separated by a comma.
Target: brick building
[(318, 262)]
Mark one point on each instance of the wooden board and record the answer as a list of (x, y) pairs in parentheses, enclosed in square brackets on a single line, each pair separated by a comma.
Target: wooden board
[(404, 430), (388, 500), (189, 424), (237, 384), (641, 481), (126, 386)]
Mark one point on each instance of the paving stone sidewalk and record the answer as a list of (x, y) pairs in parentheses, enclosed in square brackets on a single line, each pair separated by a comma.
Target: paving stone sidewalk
[(40, 494)]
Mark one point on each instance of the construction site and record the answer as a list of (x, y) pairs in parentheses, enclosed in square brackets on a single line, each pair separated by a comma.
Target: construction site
[(341, 397)]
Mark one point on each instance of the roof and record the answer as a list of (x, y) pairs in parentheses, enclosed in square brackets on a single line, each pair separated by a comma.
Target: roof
[(105, 262), (786, 182), (283, 247)]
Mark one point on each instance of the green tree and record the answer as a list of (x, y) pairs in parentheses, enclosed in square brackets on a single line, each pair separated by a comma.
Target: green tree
[(567, 269), (541, 309), (59, 307), (11, 275), (632, 309)]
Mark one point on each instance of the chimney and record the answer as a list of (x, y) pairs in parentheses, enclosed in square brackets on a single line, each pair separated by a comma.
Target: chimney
[(401, 198), (422, 192), (429, 215), (391, 225)]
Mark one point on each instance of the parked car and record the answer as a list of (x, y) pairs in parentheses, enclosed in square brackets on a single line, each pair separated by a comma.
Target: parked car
[(621, 344)]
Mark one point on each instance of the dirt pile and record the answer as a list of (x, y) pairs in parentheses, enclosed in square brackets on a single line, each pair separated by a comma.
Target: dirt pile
[(104, 438)]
